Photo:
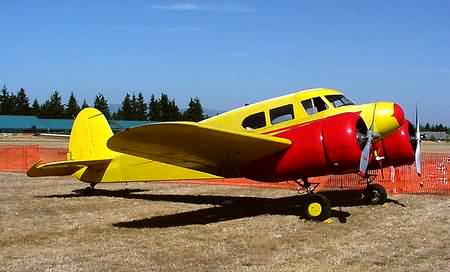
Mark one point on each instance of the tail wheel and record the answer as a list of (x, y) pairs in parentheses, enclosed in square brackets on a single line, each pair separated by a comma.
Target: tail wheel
[(317, 207), (375, 194)]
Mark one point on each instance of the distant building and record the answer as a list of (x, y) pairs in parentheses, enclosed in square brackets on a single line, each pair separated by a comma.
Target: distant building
[(33, 124), (435, 135)]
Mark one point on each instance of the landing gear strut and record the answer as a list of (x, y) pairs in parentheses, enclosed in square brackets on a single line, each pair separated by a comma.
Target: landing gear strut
[(374, 194), (316, 206)]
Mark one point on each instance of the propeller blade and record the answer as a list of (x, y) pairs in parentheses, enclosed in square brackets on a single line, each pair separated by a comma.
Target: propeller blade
[(418, 155), (365, 154), (418, 159), (365, 157), (373, 116)]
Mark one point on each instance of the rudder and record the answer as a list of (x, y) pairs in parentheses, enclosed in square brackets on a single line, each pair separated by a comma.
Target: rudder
[(89, 135)]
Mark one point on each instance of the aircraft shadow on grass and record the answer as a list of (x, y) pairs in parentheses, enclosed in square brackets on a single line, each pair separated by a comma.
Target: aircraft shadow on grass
[(224, 207)]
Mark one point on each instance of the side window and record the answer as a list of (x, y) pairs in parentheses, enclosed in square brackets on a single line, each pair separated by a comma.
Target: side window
[(339, 100), (314, 105), (254, 121), (308, 106), (281, 114), (320, 104)]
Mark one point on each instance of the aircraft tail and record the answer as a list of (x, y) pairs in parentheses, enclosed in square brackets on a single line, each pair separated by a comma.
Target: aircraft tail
[(89, 135), (87, 150)]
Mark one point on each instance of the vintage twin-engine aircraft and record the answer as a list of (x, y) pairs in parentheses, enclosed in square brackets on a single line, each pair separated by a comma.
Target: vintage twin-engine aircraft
[(304, 134)]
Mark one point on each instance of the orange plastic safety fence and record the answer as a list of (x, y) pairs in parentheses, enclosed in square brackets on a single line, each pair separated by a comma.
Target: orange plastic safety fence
[(435, 172), (20, 158), (404, 179)]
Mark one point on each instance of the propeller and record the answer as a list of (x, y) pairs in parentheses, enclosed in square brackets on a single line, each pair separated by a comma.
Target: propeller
[(418, 155), (365, 154)]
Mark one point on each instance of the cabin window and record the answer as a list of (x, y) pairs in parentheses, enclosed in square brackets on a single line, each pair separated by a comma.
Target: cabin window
[(254, 121), (281, 114), (339, 100), (314, 105)]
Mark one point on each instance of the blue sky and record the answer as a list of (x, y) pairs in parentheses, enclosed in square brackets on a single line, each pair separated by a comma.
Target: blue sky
[(230, 53)]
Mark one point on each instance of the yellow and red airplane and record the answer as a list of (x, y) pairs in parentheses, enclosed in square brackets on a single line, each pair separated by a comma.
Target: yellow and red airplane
[(308, 133)]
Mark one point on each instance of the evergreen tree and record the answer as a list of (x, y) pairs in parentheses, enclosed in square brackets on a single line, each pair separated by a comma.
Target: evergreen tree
[(11, 104), (85, 104), (168, 109), (4, 98), (164, 107), (7, 102), (126, 110), (36, 108), (133, 108), (72, 108), (22, 103), (141, 108), (53, 108), (174, 112), (101, 104), (154, 109), (194, 112)]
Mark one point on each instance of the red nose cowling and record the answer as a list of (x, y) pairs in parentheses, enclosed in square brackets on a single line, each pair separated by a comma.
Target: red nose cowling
[(399, 114), (397, 149)]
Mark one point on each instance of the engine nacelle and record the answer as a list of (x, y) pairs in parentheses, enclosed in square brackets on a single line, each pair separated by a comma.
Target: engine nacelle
[(397, 149), (328, 146)]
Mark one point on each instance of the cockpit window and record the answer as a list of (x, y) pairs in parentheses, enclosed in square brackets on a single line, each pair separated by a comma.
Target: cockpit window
[(254, 121), (339, 100), (314, 105), (281, 114)]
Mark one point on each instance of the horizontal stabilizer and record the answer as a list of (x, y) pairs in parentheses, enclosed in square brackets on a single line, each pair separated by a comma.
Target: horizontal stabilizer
[(196, 146), (63, 168)]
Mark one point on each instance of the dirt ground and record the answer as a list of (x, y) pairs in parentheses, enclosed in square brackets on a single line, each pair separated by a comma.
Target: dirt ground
[(29, 139), (436, 147), (46, 224)]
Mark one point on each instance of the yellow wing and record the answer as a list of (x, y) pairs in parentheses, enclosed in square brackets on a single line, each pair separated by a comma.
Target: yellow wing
[(64, 168), (196, 146)]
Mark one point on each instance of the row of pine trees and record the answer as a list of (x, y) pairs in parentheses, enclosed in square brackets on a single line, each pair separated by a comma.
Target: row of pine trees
[(133, 107)]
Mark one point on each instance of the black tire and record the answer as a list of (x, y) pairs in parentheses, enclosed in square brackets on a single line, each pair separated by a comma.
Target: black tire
[(375, 194), (317, 207), (88, 191)]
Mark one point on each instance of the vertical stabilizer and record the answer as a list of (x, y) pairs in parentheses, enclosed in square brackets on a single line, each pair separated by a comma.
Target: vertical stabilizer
[(89, 135)]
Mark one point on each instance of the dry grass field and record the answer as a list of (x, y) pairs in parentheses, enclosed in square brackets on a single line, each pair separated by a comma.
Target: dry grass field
[(48, 225)]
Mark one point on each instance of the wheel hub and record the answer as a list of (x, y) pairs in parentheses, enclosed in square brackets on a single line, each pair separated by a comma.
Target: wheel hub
[(314, 209), (375, 196)]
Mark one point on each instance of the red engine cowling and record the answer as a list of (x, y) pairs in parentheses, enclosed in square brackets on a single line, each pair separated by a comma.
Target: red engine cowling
[(397, 149), (322, 147)]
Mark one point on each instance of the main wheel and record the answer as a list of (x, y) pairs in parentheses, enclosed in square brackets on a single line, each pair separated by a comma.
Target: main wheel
[(89, 190), (317, 207), (375, 194)]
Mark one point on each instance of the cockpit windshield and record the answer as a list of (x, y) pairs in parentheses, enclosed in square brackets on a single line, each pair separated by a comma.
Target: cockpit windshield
[(339, 100)]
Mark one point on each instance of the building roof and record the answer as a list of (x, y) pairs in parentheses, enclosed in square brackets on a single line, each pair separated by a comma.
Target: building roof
[(19, 123)]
